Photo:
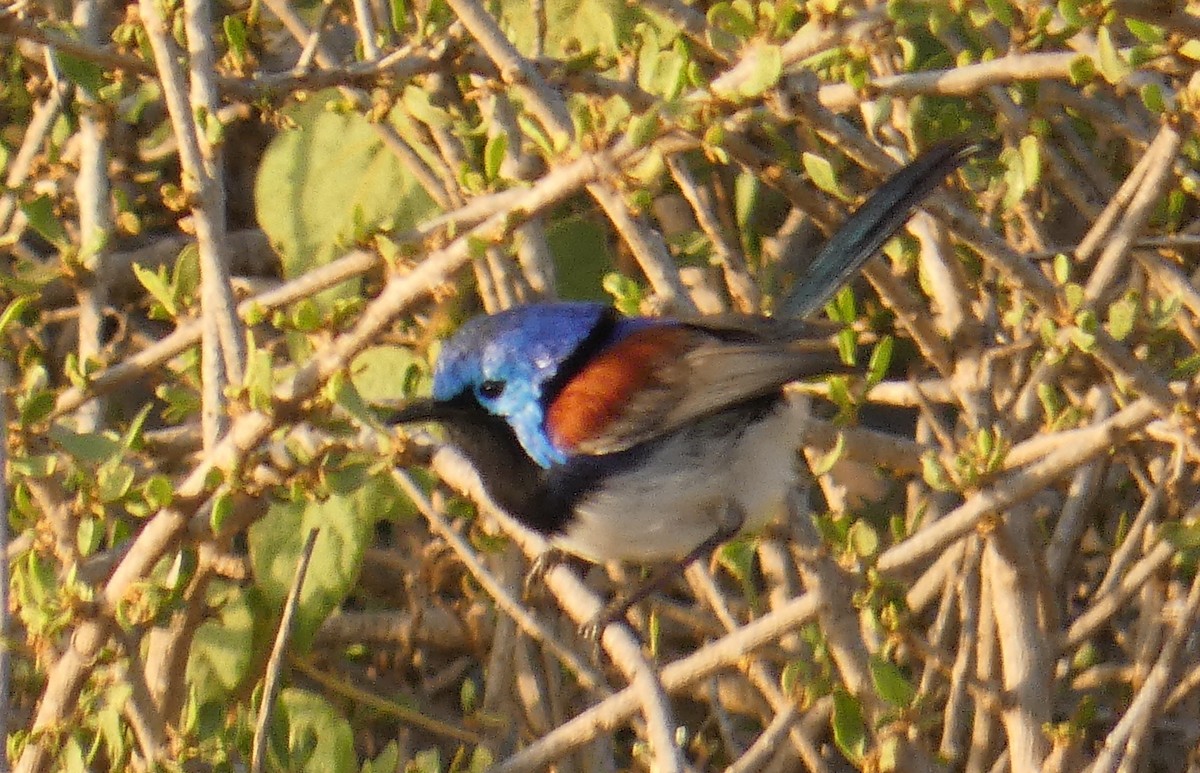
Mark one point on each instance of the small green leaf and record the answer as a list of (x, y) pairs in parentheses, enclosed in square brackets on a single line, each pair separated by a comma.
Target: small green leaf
[(1182, 535), (642, 128), (934, 473), (849, 728), (157, 285), (847, 341), (235, 34), (1145, 31), (86, 446), (87, 535), (820, 171), (1122, 315), (468, 696), (1153, 98), (1069, 9), (1191, 49), (881, 360), (863, 539), (1111, 64), (113, 482), (825, 462), (14, 311), (1082, 70), (34, 466), (36, 407), (890, 683), (222, 508), (745, 198), (40, 214), (1004, 13), (85, 74), (158, 491), (627, 294), (493, 155), (767, 64)]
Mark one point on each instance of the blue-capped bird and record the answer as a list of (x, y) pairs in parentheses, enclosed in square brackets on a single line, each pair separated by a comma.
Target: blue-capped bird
[(648, 438)]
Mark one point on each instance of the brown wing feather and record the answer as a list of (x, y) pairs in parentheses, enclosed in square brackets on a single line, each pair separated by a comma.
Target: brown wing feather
[(659, 379)]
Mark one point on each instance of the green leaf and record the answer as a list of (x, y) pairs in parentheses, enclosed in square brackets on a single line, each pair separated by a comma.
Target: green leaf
[(1111, 64), (820, 171), (222, 508), (36, 407), (728, 25), (847, 341), (1145, 31), (1082, 70), (890, 683), (14, 311), (157, 285), (346, 522), (1003, 11), (85, 74), (493, 155), (388, 760), (113, 482), (1069, 9), (1122, 316), (571, 27), (1153, 97), (235, 34), (627, 294), (40, 214), (326, 180), (849, 728), (642, 128), (737, 558), (935, 474), (766, 63), (863, 539), (824, 463), (223, 649), (745, 198), (881, 360), (318, 737), (34, 466), (1191, 49), (85, 447), (1182, 535), (384, 373), (158, 491), (88, 534)]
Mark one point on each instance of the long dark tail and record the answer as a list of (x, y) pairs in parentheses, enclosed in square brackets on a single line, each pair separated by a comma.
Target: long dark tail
[(872, 224)]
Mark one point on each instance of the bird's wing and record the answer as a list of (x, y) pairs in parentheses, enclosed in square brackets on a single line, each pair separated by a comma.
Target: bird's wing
[(658, 379)]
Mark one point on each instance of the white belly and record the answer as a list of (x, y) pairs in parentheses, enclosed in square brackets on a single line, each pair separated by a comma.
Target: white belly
[(676, 497)]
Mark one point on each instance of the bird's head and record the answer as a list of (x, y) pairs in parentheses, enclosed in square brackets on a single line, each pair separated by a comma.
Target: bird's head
[(505, 366)]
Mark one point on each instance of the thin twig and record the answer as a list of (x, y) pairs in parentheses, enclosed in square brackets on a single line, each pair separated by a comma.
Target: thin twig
[(272, 677)]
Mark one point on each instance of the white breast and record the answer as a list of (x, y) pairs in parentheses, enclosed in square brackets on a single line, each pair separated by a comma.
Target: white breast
[(675, 498)]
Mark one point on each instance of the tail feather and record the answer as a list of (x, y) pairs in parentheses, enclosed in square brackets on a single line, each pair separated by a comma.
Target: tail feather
[(872, 224)]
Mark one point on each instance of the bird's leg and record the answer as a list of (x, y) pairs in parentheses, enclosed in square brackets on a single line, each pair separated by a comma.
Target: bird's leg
[(731, 523), (545, 561)]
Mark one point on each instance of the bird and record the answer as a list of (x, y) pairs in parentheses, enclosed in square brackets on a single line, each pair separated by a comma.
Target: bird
[(652, 439)]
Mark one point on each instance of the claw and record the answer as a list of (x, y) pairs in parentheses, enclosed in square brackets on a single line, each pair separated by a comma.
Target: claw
[(542, 565)]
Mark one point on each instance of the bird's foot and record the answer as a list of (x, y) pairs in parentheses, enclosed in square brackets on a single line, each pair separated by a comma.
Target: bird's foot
[(536, 576)]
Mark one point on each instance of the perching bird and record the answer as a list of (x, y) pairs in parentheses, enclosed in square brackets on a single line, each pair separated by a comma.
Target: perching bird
[(645, 438)]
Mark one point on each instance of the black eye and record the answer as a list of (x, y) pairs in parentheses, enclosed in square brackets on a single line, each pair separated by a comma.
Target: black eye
[(491, 389)]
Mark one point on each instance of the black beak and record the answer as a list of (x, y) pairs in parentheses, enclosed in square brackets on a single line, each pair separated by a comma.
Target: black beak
[(418, 411), (453, 411)]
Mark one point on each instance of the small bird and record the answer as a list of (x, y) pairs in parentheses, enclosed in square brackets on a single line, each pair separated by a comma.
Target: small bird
[(646, 438)]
